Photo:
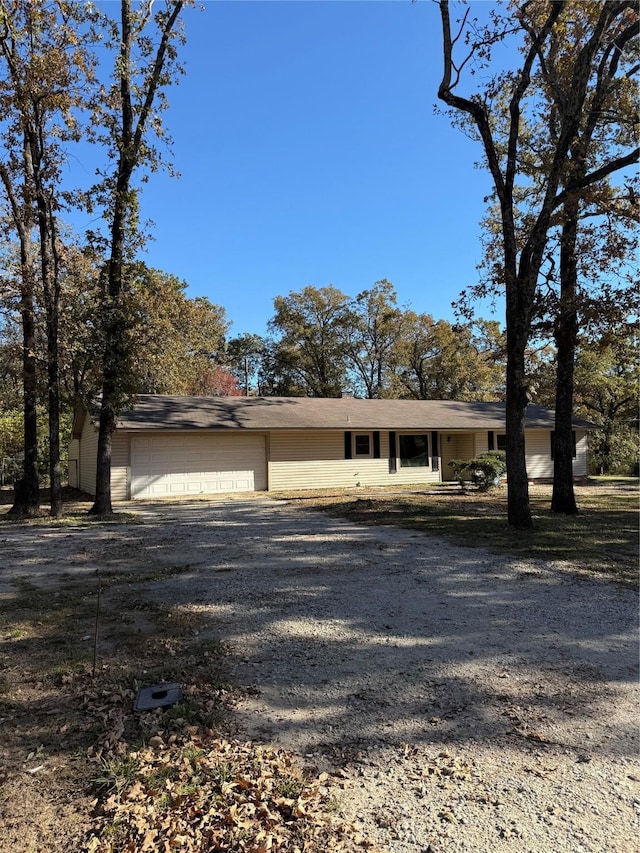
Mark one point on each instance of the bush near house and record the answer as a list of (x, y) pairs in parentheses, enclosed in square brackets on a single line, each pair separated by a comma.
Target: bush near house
[(484, 470)]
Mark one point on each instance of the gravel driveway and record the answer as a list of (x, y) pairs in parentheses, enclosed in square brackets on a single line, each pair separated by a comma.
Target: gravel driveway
[(472, 702)]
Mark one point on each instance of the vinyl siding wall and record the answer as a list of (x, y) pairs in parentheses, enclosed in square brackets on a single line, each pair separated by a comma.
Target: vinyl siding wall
[(87, 457), (460, 446), (74, 463), (307, 459), (85, 452), (538, 450), (120, 470), (315, 459)]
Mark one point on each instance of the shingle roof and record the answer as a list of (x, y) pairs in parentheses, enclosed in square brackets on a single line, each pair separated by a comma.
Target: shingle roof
[(154, 411)]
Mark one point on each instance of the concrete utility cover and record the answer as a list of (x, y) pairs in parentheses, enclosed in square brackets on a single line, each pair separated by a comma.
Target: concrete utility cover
[(158, 696)]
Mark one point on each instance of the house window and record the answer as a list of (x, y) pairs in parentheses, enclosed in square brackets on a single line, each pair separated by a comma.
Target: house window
[(361, 444), (413, 451), (501, 441)]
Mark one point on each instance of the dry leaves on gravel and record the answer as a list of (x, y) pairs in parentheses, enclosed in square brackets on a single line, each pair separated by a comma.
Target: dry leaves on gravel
[(190, 790)]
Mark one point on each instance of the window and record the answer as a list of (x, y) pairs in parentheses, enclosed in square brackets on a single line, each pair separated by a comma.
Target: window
[(362, 444), (414, 451), (501, 441)]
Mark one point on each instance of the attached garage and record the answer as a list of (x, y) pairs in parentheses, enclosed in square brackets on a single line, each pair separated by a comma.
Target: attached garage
[(197, 464)]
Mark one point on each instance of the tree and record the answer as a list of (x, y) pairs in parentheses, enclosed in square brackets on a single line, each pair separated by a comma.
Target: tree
[(376, 325), (81, 340), (172, 341), (244, 355), (44, 65), (312, 326), (434, 360), (174, 344), (606, 383), (133, 106), (497, 115), (214, 381), (605, 135)]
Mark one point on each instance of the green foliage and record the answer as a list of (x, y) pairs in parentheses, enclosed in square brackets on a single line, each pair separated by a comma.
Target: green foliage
[(607, 385), (435, 360), (116, 773), (376, 326), (616, 451), (11, 433), (310, 351), (12, 444), (485, 471)]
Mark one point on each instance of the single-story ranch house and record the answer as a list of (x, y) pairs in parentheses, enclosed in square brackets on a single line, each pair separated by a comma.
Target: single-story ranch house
[(201, 445)]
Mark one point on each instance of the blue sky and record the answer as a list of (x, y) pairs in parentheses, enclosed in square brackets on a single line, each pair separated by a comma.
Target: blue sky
[(310, 153)]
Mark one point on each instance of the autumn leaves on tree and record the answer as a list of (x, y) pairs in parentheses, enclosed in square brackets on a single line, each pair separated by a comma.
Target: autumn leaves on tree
[(85, 315), (552, 132)]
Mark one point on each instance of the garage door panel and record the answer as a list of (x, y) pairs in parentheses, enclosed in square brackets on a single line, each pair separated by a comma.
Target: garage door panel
[(175, 465)]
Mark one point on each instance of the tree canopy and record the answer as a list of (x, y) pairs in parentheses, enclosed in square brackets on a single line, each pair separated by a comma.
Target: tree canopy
[(571, 61)]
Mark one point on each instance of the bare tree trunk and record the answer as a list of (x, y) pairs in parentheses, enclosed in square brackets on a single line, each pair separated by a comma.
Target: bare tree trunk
[(50, 272), (563, 499), (102, 502), (27, 494), (26, 502), (54, 417), (518, 508)]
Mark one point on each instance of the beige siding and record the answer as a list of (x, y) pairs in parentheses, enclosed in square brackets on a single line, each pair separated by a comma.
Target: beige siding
[(581, 462), (120, 467), (74, 463), (88, 457), (315, 459), (458, 446), (301, 459), (538, 450)]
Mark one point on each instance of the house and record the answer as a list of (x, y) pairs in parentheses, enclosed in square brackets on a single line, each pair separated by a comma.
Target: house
[(202, 445)]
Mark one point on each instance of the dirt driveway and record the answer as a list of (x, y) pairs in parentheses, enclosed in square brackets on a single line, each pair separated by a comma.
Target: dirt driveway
[(471, 699)]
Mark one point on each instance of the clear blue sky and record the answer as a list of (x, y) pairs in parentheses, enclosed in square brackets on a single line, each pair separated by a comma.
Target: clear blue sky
[(310, 153)]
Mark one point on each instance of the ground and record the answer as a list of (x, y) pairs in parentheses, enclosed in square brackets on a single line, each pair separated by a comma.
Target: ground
[(457, 699)]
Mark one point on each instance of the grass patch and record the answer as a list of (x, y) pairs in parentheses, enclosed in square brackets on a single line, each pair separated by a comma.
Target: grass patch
[(601, 539)]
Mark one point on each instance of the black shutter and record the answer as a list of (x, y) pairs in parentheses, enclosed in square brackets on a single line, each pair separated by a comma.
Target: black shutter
[(435, 460), (347, 445), (490, 440), (376, 445), (393, 466)]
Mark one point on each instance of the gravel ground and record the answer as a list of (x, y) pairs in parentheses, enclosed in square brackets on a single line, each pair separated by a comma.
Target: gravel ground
[(469, 702)]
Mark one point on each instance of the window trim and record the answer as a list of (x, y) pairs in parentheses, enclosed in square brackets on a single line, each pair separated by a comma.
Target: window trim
[(354, 437), (429, 450)]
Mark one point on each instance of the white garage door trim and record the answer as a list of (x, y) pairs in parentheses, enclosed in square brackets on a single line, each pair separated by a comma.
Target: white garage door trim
[(165, 465)]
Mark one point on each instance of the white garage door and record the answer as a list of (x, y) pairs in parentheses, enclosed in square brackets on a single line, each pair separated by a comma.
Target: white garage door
[(197, 464)]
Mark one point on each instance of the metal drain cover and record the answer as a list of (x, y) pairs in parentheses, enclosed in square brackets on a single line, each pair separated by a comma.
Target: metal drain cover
[(158, 696)]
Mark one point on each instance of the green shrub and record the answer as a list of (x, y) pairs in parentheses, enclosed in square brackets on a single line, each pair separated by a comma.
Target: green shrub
[(484, 471)]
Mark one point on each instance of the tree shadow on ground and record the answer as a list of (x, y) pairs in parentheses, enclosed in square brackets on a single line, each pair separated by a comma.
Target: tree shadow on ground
[(347, 633)]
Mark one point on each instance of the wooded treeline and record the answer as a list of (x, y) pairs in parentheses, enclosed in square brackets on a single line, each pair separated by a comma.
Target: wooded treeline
[(82, 317)]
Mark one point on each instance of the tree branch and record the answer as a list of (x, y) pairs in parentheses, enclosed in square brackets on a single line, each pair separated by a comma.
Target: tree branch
[(598, 175)]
